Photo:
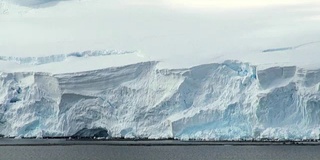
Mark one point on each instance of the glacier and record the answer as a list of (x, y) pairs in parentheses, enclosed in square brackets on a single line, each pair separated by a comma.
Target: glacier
[(216, 101), (202, 70)]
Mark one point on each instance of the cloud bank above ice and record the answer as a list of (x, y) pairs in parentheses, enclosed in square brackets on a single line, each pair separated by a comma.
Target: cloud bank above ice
[(181, 31), (35, 3)]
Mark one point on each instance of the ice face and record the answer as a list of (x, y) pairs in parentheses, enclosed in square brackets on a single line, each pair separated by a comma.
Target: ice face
[(230, 100)]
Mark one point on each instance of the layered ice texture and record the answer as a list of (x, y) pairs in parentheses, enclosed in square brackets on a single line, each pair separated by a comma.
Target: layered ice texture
[(229, 100)]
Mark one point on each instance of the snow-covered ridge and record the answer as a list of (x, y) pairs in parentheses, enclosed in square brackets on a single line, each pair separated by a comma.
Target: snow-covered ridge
[(229, 100), (60, 57)]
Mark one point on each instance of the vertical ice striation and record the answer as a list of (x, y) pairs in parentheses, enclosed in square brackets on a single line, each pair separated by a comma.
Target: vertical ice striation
[(230, 100)]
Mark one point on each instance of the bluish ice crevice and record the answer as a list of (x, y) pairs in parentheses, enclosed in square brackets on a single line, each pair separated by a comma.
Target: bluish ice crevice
[(242, 69)]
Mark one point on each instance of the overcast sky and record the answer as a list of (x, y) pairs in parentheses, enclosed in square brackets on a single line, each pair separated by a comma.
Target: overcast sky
[(157, 28)]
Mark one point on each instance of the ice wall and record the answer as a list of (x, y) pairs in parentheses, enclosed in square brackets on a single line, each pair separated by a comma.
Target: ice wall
[(229, 100)]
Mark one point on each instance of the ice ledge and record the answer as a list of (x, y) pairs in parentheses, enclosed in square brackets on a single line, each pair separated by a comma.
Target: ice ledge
[(60, 57)]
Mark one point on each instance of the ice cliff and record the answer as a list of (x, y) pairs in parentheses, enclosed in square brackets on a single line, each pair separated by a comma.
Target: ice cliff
[(229, 100)]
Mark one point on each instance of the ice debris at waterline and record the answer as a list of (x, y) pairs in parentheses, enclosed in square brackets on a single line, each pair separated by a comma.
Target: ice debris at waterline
[(91, 133), (229, 100)]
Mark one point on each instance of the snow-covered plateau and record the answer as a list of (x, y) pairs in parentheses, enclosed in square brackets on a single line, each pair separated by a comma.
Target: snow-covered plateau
[(175, 69)]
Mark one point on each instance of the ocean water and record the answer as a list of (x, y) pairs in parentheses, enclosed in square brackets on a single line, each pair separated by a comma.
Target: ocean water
[(195, 152)]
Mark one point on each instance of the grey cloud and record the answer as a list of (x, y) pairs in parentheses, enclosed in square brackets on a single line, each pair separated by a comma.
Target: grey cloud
[(36, 3)]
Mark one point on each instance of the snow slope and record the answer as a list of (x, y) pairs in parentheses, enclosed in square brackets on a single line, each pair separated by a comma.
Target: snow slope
[(58, 58), (181, 71)]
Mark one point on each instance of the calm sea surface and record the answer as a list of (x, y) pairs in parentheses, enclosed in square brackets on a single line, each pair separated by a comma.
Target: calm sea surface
[(196, 152)]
